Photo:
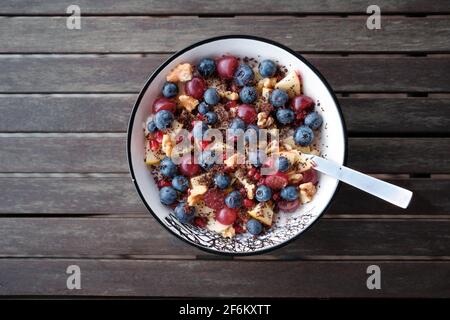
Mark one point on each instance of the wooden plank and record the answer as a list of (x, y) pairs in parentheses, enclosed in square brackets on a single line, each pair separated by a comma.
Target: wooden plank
[(106, 153), (110, 113), (133, 237), (128, 73), (155, 34), (159, 278), (116, 195), (143, 7)]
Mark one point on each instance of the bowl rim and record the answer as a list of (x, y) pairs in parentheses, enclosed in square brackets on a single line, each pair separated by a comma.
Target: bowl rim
[(150, 80)]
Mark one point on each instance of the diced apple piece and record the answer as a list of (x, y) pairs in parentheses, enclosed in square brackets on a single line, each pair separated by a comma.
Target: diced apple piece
[(263, 213), (291, 84)]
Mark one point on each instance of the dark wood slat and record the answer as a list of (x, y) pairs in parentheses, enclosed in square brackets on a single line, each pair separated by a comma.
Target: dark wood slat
[(112, 34), (124, 237), (110, 113), (117, 196), (128, 73), (141, 7), (87, 153), (237, 279)]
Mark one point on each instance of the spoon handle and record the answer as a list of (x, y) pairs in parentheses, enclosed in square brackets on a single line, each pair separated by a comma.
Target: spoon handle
[(391, 193)]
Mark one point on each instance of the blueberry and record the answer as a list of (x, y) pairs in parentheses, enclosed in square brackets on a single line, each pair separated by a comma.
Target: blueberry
[(167, 195), (251, 134), (289, 193), (248, 94), (203, 108), (207, 159), (211, 117), (313, 120), (234, 200), (222, 181), (206, 67), (254, 227), (163, 119), (263, 193), (285, 116), (267, 68), (303, 136), (170, 90), (282, 164), (167, 167), (278, 98), (235, 125), (180, 183), (199, 130), (151, 126), (184, 213), (243, 75), (257, 158), (211, 96)]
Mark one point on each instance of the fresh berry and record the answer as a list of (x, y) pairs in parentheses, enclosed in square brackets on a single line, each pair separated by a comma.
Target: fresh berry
[(211, 117), (247, 113), (278, 98), (207, 159), (230, 104), (200, 222), (167, 195), (164, 183), (310, 176), (170, 90), (257, 158), (204, 144), (167, 167), (203, 108), (276, 196), (277, 181), (184, 213), (159, 136), (188, 167), (254, 227), (235, 127), (303, 136), (211, 96), (243, 75), (233, 200), (214, 199), (180, 183), (248, 94), (289, 193), (226, 216), (257, 176), (222, 181), (195, 88), (199, 130), (282, 164), (263, 193), (285, 116), (313, 120), (238, 229), (164, 119), (251, 173), (267, 68), (164, 104), (206, 67), (288, 206), (226, 66), (248, 203), (154, 145), (302, 103), (151, 126)]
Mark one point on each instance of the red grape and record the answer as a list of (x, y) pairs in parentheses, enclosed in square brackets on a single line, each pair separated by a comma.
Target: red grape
[(288, 206), (277, 181), (310, 176), (226, 216), (302, 103), (188, 167), (230, 104), (195, 87), (247, 113), (226, 66), (249, 203), (164, 104)]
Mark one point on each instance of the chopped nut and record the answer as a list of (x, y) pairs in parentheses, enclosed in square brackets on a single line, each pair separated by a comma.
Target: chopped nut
[(229, 232), (266, 93), (195, 194), (262, 119), (167, 145), (307, 191), (182, 72), (249, 187), (188, 102)]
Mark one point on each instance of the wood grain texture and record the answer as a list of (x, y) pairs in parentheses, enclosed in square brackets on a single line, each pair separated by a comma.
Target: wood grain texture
[(116, 195), (110, 113), (161, 278), (128, 73), (155, 34), (133, 237), (143, 7), (107, 153)]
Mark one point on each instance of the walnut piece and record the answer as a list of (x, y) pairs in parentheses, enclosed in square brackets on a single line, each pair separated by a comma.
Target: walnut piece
[(182, 72), (188, 102), (264, 120), (307, 191)]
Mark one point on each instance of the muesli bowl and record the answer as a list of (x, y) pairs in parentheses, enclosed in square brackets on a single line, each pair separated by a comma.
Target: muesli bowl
[(330, 140)]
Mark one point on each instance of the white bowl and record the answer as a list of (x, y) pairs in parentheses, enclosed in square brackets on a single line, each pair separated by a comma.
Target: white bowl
[(333, 146)]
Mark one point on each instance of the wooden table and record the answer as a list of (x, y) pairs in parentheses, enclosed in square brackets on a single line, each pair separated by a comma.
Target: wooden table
[(66, 196)]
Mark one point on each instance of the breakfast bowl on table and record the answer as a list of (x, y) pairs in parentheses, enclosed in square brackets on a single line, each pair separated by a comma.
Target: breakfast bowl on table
[(246, 193)]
